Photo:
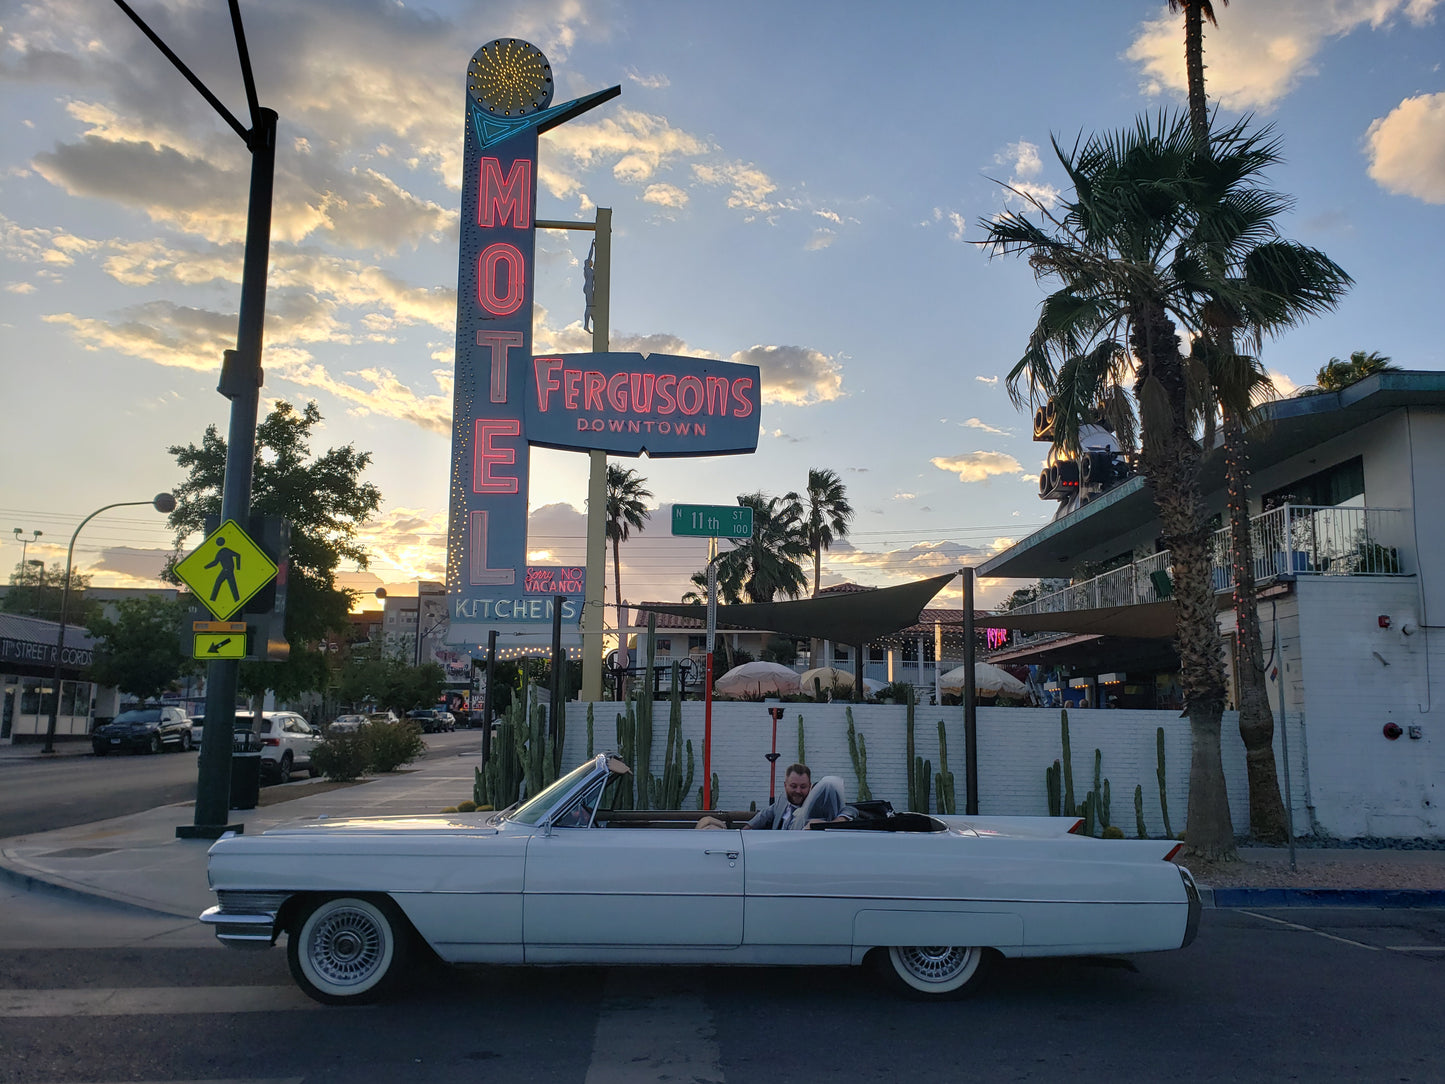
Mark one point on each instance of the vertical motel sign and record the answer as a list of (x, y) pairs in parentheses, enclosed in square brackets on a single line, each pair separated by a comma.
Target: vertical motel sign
[(509, 93)]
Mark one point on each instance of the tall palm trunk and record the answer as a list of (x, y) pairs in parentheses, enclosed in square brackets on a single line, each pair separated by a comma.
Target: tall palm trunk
[(617, 579), (1256, 722)]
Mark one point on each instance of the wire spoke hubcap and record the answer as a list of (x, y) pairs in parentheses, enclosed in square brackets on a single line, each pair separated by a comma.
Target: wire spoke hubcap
[(936, 963), (346, 947)]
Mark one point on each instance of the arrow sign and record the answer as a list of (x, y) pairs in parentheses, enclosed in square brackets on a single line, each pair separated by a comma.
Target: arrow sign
[(210, 645), (215, 649)]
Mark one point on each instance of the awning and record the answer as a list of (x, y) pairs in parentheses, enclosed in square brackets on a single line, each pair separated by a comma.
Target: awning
[(1146, 620), (854, 617)]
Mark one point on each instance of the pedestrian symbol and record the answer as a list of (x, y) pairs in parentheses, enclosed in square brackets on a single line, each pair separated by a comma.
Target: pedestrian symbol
[(226, 570)]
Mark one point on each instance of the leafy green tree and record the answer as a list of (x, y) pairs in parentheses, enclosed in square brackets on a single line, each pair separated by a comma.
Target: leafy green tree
[(770, 562), (139, 651), (1336, 375), (326, 503), (626, 511), (827, 515), (36, 592), (391, 684), (1152, 232)]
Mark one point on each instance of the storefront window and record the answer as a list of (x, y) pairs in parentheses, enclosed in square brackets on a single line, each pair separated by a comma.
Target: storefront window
[(75, 698), (36, 697)]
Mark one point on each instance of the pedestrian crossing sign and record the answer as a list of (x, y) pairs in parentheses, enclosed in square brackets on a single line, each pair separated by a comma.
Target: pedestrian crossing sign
[(227, 570)]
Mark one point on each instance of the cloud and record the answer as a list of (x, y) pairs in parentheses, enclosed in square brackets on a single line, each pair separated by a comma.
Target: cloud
[(20, 287), (665, 195), (977, 466), (991, 381), (821, 239), (901, 496), (651, 82), (749, 187), (1260, 52), (975, 423), (639, 145), (794, 375), (956, 222), (1282, 383), (1406, 149), (912, 562), (1022, 158)]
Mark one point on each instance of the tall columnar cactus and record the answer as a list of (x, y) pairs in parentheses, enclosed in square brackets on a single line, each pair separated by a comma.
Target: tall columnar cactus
[(713, 803), (922, 778), (1098, 798), (858, 751), (1163, 793), (1053, 785), (666, 791), (943, 781), (1139, 810), (642, 748), (802, 759), (1070, 810), (591, 743), (502, 774), (1087, 812), (626, 729), (909, 756)]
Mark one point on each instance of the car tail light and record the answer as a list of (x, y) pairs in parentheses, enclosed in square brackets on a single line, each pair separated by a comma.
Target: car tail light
[(270, 741), (1175, 850)]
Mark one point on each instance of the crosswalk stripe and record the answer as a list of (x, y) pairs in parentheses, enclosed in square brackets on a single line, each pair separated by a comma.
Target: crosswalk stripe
[(668, 1036), (152, 1001), (207, 1080)]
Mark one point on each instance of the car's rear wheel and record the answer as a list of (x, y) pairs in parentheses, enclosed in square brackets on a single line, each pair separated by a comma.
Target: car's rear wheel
[(155, 743), (935, 970), (283, 770), (185, 741), (348, 950)]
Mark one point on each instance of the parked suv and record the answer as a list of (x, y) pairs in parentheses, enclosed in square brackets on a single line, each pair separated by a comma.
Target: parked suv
[(432, 722), (286, 743), (147, 730)]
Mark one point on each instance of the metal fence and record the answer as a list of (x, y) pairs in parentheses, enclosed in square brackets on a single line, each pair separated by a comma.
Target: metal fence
[(1291, 540)]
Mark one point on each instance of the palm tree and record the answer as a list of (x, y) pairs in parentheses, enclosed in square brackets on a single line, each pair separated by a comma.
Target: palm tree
[(828, 515), (626, 493), (1154, 232), (768, 563), (1335, 374)]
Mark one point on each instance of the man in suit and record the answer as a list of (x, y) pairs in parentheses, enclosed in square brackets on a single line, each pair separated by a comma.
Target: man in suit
[(802, 803)]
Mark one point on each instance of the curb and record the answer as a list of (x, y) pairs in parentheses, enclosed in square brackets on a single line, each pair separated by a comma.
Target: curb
[(27, 882), (1322, 897)]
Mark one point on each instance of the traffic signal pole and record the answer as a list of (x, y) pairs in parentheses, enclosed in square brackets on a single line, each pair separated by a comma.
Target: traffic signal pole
[(240, 382)]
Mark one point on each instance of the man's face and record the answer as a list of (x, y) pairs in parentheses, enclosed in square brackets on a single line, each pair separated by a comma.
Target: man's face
[(796, 786)]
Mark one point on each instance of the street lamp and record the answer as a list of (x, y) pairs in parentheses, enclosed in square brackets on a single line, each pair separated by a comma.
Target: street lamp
[(161, 502), (25, 542)]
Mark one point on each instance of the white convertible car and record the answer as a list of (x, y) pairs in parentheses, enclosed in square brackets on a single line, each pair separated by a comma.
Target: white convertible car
[(563, 878)]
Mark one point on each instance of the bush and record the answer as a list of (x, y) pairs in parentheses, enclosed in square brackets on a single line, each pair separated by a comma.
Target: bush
[(1113, 831), (390, 745), (341, 758), (466, 807)]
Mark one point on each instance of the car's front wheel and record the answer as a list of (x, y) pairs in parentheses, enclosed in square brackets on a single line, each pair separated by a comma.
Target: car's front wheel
[(156, 743), (185, 742), (348, 950), (283, 770), (935, 970)]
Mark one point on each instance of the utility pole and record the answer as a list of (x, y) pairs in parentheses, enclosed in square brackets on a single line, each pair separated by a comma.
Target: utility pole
[(240, 382)]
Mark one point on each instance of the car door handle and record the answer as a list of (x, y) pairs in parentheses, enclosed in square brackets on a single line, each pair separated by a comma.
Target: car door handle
[(731, 855)]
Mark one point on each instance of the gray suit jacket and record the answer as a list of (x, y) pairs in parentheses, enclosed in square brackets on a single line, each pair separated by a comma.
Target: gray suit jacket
[(825, 802)]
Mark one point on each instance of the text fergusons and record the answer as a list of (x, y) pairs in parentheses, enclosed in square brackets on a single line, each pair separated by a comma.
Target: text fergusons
[(626, 404)]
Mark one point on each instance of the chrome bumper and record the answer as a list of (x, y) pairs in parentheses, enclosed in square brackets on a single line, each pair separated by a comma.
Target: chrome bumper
[(245, 919)]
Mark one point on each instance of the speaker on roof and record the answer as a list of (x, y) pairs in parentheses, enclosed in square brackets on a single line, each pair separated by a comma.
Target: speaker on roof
[(1044, 418)]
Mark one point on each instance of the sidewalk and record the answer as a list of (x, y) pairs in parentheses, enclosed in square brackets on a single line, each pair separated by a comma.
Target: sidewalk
[(137, 859)]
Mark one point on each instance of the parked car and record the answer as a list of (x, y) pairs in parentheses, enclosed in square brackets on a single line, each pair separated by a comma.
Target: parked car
[(928, 900), (346, 724), (198, 730), (382, 717), (432, 722), (145, 730), (286, 743)]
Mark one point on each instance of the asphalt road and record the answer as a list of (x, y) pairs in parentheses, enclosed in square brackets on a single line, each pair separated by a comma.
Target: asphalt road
[(1337, 995)]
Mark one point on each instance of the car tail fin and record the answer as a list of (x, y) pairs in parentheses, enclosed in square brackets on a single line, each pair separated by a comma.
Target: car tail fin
[(1173, 851), (1077, 825)]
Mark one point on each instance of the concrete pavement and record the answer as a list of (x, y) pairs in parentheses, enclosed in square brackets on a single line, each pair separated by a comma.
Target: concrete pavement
[(137, 859)]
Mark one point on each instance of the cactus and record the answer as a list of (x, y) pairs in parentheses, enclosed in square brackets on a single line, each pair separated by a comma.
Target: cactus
[(858, 750), (1052, 785), (943, 781), (802, 759), (918, 787), (1069, 808), (1139, 811), (642, 747), (666, 791), (715, 788), (502, 774), (1104, 819), (1087, 812), (626, 728), (590, 735), (1163, 796), (909, 756), (479, 787)]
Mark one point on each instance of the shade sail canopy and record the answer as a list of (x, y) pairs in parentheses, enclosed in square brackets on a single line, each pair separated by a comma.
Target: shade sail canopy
[(857, 617), (1147, 620)]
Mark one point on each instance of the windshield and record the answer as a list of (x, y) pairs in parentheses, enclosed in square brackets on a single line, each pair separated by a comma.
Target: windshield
[(148, 715), (534, 809)]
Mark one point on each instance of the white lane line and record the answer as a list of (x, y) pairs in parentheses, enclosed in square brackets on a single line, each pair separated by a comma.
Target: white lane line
[(226, 1080), (665, 1036), (1415, 948), (153, 1001), (1311, 929)]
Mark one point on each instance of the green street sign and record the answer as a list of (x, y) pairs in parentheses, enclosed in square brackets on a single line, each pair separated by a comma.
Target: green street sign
[(712, 520)]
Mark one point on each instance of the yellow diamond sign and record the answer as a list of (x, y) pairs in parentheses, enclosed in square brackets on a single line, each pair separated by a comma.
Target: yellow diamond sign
[(226, 570)]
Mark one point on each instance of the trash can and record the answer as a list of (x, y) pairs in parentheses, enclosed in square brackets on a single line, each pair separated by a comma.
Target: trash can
[(245, 769)]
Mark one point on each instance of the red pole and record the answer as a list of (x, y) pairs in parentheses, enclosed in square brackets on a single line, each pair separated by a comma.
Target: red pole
[(707, 733)]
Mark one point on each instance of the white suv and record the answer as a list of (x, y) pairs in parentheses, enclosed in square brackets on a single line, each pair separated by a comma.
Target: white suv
[(286, 743)]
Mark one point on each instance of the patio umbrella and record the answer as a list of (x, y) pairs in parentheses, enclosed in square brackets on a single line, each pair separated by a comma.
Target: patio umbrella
[(757, 679), (988, 680), (829, 677)]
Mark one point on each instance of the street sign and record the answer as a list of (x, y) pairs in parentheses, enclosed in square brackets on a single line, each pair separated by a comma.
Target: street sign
[(220, 645), (226, 570), (712, 520)]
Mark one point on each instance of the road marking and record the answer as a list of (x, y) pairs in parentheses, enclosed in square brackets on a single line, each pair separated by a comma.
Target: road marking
[(670, 1036), (1311, 929), (220, 1080), (153, 1001), (1416, 948)]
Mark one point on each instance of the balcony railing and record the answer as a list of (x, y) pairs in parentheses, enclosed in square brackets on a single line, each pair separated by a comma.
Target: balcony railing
[(1292, 540)]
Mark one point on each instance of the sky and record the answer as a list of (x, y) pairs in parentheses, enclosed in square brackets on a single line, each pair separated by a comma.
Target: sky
[(796, 184)]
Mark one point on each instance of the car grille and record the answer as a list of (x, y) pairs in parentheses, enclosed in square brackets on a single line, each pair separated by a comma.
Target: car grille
[(250, 903)]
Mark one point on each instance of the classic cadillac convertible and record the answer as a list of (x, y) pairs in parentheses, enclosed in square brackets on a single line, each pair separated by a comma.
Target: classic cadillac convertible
[(567, 878)]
